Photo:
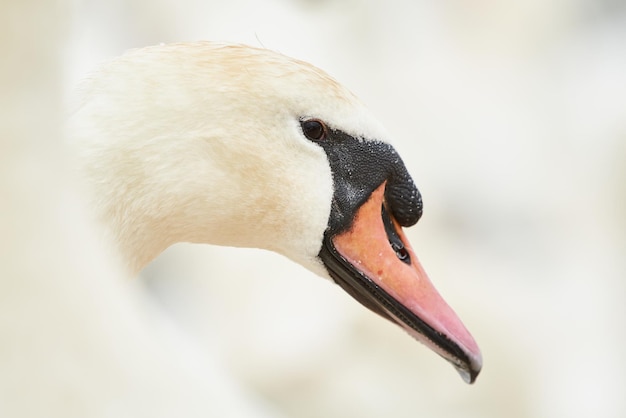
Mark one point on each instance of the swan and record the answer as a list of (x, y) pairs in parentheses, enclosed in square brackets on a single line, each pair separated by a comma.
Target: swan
[(240, 146)]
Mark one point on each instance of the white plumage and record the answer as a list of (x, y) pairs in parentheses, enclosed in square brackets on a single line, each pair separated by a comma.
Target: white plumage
[(201, 143)]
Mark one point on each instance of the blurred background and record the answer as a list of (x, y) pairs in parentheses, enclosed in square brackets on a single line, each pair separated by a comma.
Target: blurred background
[(511, 117)]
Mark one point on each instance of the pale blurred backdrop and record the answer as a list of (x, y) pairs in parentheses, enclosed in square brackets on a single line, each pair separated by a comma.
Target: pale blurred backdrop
[(511, 117)]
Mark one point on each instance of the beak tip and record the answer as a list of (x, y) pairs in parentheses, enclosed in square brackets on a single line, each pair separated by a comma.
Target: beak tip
[(469, 371)]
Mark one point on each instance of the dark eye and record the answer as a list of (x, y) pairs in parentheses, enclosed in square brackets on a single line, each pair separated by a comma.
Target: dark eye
[(314, 129)]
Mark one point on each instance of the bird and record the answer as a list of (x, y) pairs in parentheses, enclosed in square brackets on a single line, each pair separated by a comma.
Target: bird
[(240, 146)]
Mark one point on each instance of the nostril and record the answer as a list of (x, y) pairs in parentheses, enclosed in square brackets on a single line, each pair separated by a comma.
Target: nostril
[(394, 239), (401, 252)]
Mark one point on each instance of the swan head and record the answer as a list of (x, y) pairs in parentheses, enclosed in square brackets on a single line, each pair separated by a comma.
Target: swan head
[(239, 146)]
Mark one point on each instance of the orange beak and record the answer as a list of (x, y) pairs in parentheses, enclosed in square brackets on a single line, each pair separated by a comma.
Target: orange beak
[(374, 262)]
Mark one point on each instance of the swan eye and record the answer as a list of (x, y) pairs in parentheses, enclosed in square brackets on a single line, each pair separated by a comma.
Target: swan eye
[(314, 129)]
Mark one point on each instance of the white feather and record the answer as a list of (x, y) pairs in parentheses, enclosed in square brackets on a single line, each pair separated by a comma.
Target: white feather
[(201, 142)]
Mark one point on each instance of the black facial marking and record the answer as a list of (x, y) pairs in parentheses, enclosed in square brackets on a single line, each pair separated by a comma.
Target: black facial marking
[(359, 166)]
